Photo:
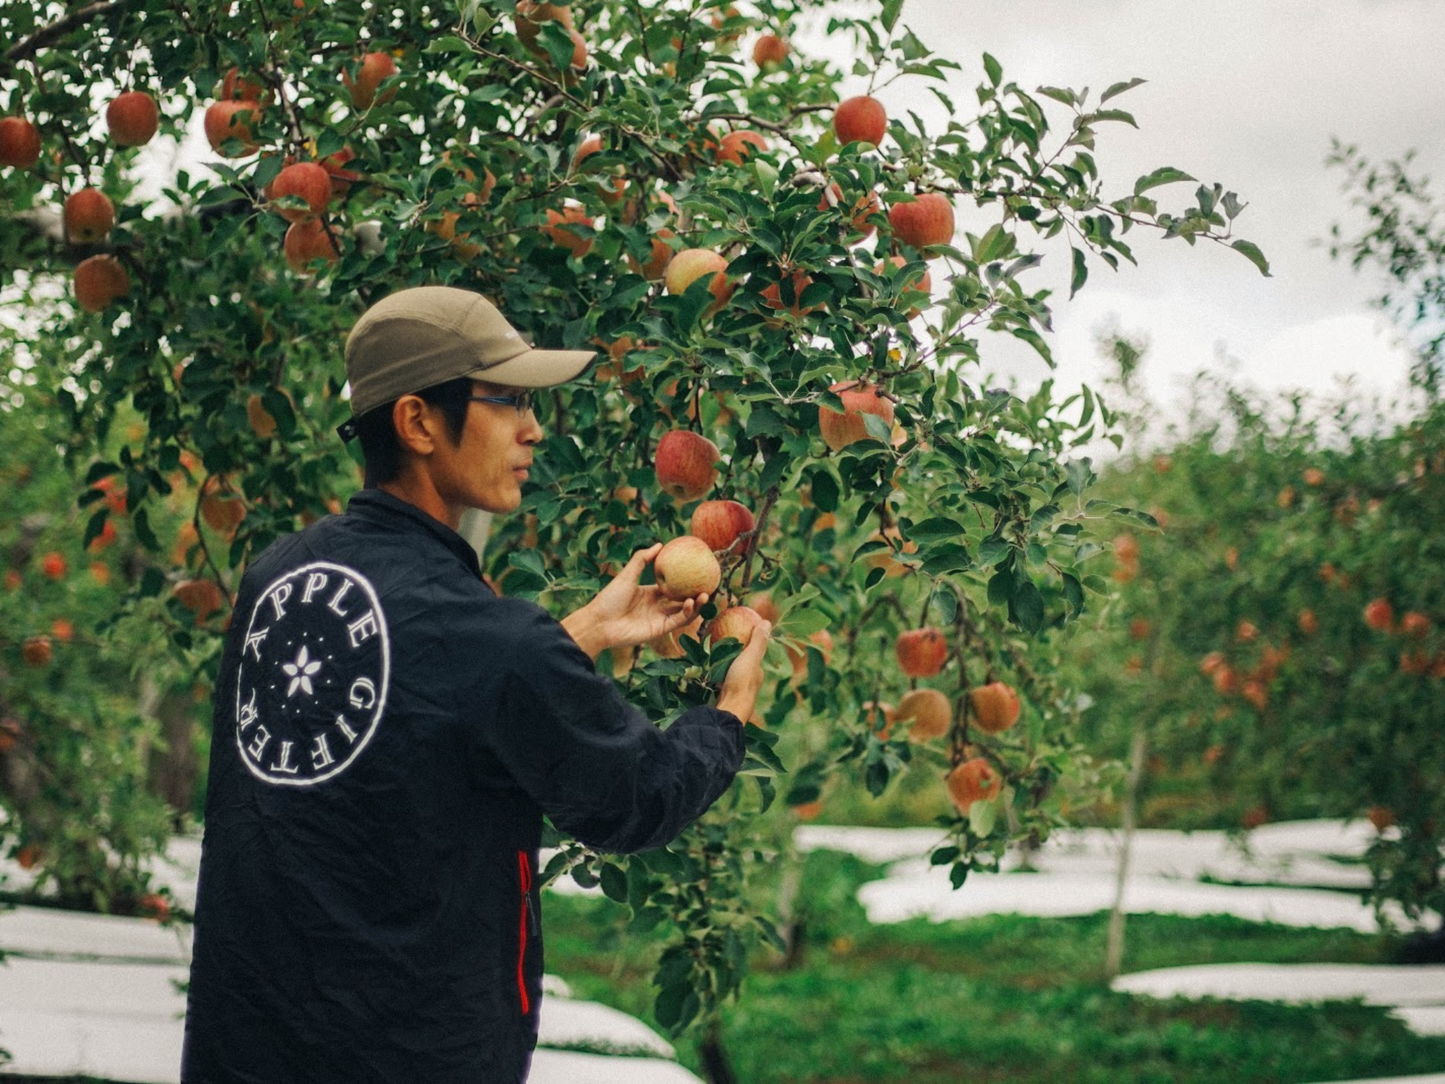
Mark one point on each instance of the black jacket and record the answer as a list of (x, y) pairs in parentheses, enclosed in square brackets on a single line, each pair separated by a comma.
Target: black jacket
[(387, 736)]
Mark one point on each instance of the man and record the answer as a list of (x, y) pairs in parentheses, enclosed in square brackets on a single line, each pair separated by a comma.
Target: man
[(389, 733)]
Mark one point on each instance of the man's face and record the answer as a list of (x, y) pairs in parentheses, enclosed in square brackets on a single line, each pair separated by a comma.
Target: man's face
[(487, 467)]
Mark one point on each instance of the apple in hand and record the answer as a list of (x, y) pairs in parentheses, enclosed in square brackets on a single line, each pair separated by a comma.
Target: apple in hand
[(686, 568), (735, 623)]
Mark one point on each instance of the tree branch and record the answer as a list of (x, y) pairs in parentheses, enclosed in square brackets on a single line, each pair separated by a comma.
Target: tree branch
[(48, 36)]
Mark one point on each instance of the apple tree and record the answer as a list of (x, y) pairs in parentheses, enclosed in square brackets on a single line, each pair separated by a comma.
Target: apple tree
[(770, 270)]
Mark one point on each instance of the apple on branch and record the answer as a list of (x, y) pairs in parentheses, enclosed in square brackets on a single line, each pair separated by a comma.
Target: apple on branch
[(973, 781), (233, 119), (921, 652), (685, 464), (19, 143), (841, 430), (306, 181), (89, 216), (691, 264), (995, 707), (722, 523), (373, 69), (923, 222), (860, 120), (929, 712), (132, 118), (98, 281)]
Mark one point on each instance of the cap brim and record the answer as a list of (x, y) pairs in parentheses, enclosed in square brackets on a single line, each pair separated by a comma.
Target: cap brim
[(537, 368)]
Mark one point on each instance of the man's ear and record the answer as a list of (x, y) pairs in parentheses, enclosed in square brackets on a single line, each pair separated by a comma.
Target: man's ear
[(416, 425)]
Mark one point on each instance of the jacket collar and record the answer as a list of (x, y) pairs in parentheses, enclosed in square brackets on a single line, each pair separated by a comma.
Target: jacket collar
[(381, 507)]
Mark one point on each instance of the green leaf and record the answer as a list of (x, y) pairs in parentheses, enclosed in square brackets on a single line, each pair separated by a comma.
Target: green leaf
[(1164, 175), (824, 488), (1255, 256), (936, 529), (1116, 114), (993, 68), (982, 816), (1028, 607), (1081, 272), (614, 883), (1119, 88), (891, 9)]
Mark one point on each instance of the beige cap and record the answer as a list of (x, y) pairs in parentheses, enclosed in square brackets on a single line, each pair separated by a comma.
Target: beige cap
[(427, 335)]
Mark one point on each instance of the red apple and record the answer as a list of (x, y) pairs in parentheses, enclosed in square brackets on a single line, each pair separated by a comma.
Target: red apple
[(685, 464), (1415, 625), (36, 651), (737, 147), (305, 241), (132, 118), (656, 262), (305, 180), (53, 565), (341, 178), (863, 207), (721, 523), (531, 14), (98, 281), (1380, 615), (19, 143), (929, 711), (923, 285), (798, 656), (995, 707), (921, 652), (236, 120), (841, 430), (973, 781), (769, 49), (89, 216), (686, 568), (373, 69), (574, 243), (735, 623), (773, 296), (924, 222), (861, 120), (236, 87), (691, 264), (202, 597)]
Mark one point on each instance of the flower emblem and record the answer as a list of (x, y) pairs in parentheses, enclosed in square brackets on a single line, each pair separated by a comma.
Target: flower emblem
[(300, 673)]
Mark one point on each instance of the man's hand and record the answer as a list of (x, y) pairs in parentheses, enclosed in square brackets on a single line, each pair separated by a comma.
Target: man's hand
[(739, 693), (625, 613)]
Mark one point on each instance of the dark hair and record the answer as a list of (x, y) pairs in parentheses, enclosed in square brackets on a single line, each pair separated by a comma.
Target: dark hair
[(379, 445)]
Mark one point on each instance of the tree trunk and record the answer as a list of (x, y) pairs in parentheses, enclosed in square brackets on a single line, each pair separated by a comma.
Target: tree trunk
[(1114, 952), (715, 1063)]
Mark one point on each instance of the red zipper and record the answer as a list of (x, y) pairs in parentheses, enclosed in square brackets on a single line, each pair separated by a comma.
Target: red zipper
[(526, 902)]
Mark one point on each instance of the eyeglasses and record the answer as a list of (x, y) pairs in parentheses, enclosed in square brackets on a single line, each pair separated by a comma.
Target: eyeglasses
[(522, 401)]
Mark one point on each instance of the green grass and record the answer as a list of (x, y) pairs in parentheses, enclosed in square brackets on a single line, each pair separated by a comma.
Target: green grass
[(1001, 998)]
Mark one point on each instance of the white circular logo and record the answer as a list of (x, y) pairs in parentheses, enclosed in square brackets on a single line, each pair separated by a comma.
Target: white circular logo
[(311, 686)]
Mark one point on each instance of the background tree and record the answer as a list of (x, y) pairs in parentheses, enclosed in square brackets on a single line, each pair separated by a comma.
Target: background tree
[(674, 183)]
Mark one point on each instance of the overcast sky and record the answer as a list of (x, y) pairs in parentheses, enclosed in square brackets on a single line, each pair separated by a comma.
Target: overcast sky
[(1244, 92)]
